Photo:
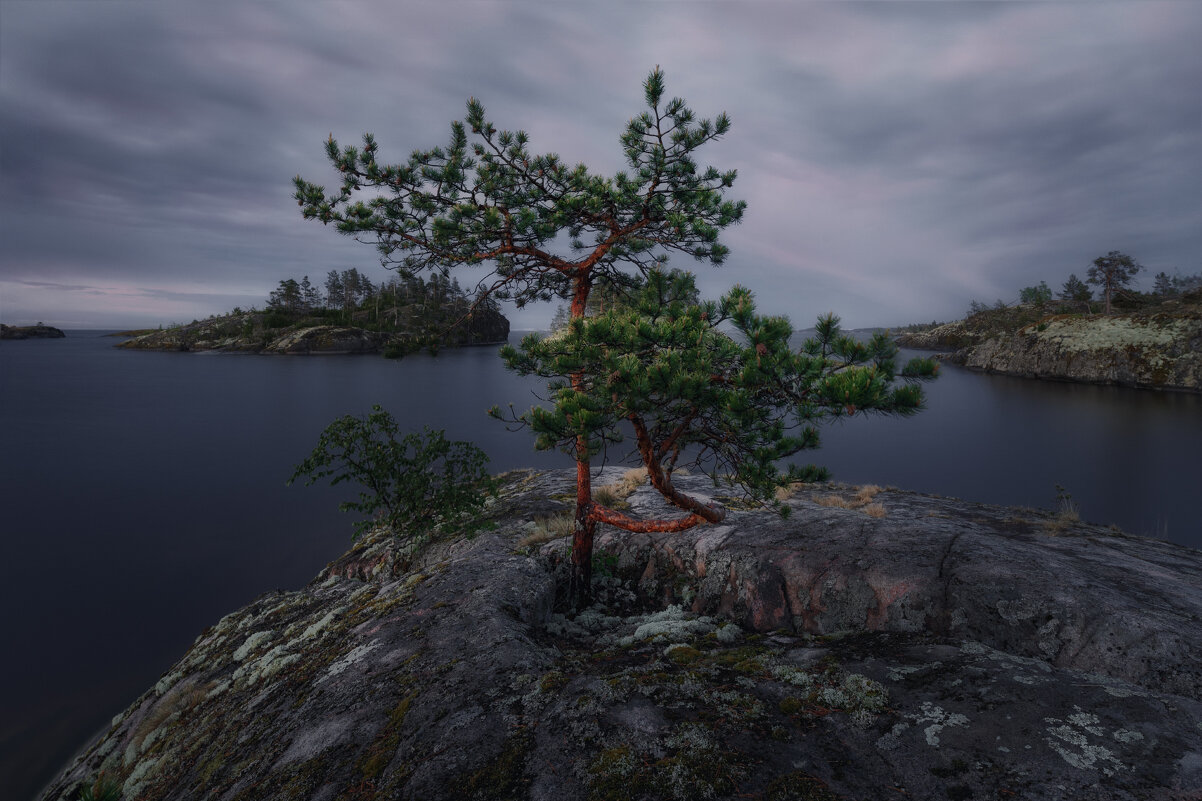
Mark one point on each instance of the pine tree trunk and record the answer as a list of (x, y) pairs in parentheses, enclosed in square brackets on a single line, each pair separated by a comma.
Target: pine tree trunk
[(580, 585)]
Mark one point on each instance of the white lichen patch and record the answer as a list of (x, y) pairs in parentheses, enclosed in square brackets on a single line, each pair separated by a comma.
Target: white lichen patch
[(728, 633), (974, 648), (317, 628), (1070, 738), (167, 682), (1126, 736), (137, 777), (671, 625), (356, 655), (266, 665), (791, 675), (591, 621), (691, 737), (252, 642), (891, 740), (938, 719), (1106, 333)]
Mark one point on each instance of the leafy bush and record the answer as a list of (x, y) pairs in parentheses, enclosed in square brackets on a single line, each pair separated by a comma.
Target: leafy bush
[(415, 484)]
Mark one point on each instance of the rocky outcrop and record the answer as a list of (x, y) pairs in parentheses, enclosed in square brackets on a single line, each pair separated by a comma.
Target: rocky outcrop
[(1156, 350), (245, 333), (328, 339), (38, 331), (873, 644)]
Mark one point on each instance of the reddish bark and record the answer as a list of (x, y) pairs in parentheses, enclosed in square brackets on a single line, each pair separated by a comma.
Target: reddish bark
[(602, 514)]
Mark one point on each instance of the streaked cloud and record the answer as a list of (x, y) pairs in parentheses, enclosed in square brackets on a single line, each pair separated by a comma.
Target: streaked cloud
[(898, 159)]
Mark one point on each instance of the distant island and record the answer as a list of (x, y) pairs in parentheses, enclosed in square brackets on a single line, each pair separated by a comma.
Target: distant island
[(352, 315), (1148, 340), (38, 331)]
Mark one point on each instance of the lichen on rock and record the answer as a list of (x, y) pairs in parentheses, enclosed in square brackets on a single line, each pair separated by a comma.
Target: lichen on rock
[(826, 655)]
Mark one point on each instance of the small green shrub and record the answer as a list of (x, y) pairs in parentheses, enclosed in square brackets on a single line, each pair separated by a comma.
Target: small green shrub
[(415, 484)]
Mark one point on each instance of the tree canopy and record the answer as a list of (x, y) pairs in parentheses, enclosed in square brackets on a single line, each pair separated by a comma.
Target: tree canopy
[(1111, 273), (492, 202), (658, 364), (734, 404)]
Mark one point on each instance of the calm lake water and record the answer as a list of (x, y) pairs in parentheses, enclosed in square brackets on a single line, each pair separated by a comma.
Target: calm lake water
[(142, 495)]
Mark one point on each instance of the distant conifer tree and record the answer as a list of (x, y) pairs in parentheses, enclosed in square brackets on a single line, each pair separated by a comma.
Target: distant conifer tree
[(1111, 273)]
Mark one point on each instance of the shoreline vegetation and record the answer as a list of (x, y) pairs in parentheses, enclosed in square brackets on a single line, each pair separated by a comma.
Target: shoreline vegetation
[(353, 315), (38, 331), (1148, 341)]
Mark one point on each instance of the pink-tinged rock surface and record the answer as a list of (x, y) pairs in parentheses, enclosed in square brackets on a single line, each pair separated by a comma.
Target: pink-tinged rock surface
[(1076, 595), (942, 650)]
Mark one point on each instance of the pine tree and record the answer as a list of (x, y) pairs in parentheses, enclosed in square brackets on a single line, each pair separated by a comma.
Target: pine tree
[(334, 290), (492, 202), (1074, 290), (286, 297), (695, 396), (310, 300), (1112, 273)]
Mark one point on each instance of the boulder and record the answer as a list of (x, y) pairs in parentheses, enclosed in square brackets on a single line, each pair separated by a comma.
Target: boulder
[(873, 644)]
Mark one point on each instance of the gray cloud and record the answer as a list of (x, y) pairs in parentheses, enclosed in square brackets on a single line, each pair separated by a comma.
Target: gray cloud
[(898, 159)]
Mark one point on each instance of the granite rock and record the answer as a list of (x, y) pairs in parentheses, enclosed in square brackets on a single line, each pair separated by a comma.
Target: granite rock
[(873, 644)]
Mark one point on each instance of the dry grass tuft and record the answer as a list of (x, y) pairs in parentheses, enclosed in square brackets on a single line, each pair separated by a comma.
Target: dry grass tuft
[(549, 528), (837, 501), (874, 510), (615, 493), (180, 699), (861, 501), (608, 496), (867, 492)]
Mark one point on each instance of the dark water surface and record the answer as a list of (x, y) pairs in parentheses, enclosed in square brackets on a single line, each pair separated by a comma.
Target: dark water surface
[(142, 494)]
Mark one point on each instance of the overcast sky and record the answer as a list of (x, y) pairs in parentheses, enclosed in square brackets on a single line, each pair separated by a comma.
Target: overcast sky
[(898, 159)]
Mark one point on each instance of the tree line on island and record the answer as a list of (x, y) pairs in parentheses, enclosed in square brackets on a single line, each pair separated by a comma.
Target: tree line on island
[(397, 316), (403, 303), (1113, 275)]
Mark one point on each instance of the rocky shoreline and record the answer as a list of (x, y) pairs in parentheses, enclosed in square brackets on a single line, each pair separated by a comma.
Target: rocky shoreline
[(874, 644), (1160, 349)]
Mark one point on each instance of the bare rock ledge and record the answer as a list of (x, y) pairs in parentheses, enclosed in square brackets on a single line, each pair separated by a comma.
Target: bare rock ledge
[(913, 648)]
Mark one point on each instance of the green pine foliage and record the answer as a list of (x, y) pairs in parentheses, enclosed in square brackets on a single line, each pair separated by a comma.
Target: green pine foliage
[(492, 201), (1112, 273), (737, 404), (660, 365), (417, 484)]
